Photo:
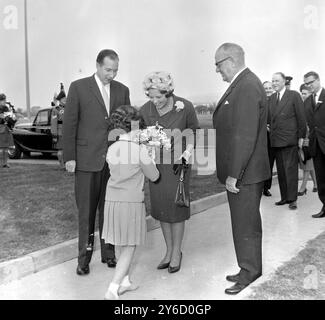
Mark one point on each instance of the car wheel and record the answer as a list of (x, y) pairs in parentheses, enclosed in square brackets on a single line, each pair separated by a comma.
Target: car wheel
[(15, 152), (26, 154)]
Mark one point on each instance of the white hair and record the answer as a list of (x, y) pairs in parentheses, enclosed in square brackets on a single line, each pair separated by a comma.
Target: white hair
[(234, 51)]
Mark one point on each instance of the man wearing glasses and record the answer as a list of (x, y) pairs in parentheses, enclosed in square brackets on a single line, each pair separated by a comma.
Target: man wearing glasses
[(315, 113), (242, 159)]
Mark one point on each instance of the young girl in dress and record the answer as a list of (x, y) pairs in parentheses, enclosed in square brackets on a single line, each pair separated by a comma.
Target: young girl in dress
[(124, 213)]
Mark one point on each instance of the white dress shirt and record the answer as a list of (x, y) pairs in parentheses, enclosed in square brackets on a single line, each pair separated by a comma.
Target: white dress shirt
[(317, 94), (237, 74), (107, 89), (282, 93)]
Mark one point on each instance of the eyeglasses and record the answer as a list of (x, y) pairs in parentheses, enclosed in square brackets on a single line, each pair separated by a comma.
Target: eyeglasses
[(310, 82), (219, 62)]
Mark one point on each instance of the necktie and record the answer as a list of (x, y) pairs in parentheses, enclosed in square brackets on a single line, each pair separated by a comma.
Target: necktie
[(106, 98), (313, 101), (277, 98)]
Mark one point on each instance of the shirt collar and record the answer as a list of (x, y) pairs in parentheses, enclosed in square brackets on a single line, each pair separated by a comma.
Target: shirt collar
[(318, 93), (282, 92), (100, 83), (237, 74)]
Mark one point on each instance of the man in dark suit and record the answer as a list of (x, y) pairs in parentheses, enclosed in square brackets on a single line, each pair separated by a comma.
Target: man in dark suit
[(241, 158), (90, 101), (315, 113), (288, 82), (268, 183), (288, 129)]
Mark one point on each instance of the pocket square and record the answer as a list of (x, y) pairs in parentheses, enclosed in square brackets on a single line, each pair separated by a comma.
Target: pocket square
[(226, 102)]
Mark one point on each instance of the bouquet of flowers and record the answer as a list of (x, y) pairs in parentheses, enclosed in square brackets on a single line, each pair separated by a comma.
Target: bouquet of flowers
[(152, 137), (9, 119)]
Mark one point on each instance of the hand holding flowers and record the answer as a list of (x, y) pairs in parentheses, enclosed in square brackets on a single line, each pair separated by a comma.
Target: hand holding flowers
[(9, 119), (152, 137)]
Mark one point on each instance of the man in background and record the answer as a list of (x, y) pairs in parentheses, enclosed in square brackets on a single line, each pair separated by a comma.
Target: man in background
[(315, 113), (288, 129), (288, 82)]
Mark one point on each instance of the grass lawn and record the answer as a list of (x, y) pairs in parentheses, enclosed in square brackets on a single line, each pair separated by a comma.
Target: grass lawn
[(205, 121), (37, 206), (302, 278)]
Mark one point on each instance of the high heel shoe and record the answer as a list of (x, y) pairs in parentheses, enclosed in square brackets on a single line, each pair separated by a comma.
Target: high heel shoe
[(163, 265), (177, 268), (315, 189), (301, 193)]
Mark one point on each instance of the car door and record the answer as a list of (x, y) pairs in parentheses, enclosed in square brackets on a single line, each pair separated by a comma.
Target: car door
[(42, 139)]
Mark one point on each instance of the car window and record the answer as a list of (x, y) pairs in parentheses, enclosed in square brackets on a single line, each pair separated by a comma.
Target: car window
[(42, 118)]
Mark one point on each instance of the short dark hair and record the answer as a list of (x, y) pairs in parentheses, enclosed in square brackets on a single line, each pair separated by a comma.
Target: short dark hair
[(312, 74), (281, 74), (303, 87), (123, 117), (106, 53)]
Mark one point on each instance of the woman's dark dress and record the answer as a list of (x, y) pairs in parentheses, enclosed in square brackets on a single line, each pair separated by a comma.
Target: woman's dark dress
[(162, 194), (6, 139)]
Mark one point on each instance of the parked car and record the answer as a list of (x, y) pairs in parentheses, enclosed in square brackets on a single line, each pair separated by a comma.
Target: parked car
[(34, 137)]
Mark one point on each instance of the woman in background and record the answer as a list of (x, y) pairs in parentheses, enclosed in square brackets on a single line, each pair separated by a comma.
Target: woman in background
[(308, 167), (7, 122)]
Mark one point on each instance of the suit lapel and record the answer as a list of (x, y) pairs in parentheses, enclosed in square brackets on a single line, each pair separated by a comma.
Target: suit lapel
[(112, 97), (320, 100), (282, 103), (230, 88), (95, 90)]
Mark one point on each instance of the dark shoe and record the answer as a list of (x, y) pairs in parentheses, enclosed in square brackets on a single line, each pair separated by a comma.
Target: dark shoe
[(315, 189), (293, 205), (111, 262), (81, 271), (301, 193), (281, 202), (163, 265), (320, 214), (236, 288), (177, 268), (5, 166), (267, 193), (233, 278)]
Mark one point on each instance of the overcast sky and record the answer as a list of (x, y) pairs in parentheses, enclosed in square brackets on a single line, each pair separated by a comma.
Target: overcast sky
[(179, 36)]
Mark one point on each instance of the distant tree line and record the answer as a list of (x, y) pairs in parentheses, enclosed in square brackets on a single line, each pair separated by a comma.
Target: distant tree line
[(207, 108)]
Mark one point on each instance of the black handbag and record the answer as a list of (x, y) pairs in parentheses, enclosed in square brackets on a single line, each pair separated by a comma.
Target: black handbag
[(306, 153), (181, 198)]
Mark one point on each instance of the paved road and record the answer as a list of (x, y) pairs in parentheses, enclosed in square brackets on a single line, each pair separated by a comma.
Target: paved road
[(208, 255)]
